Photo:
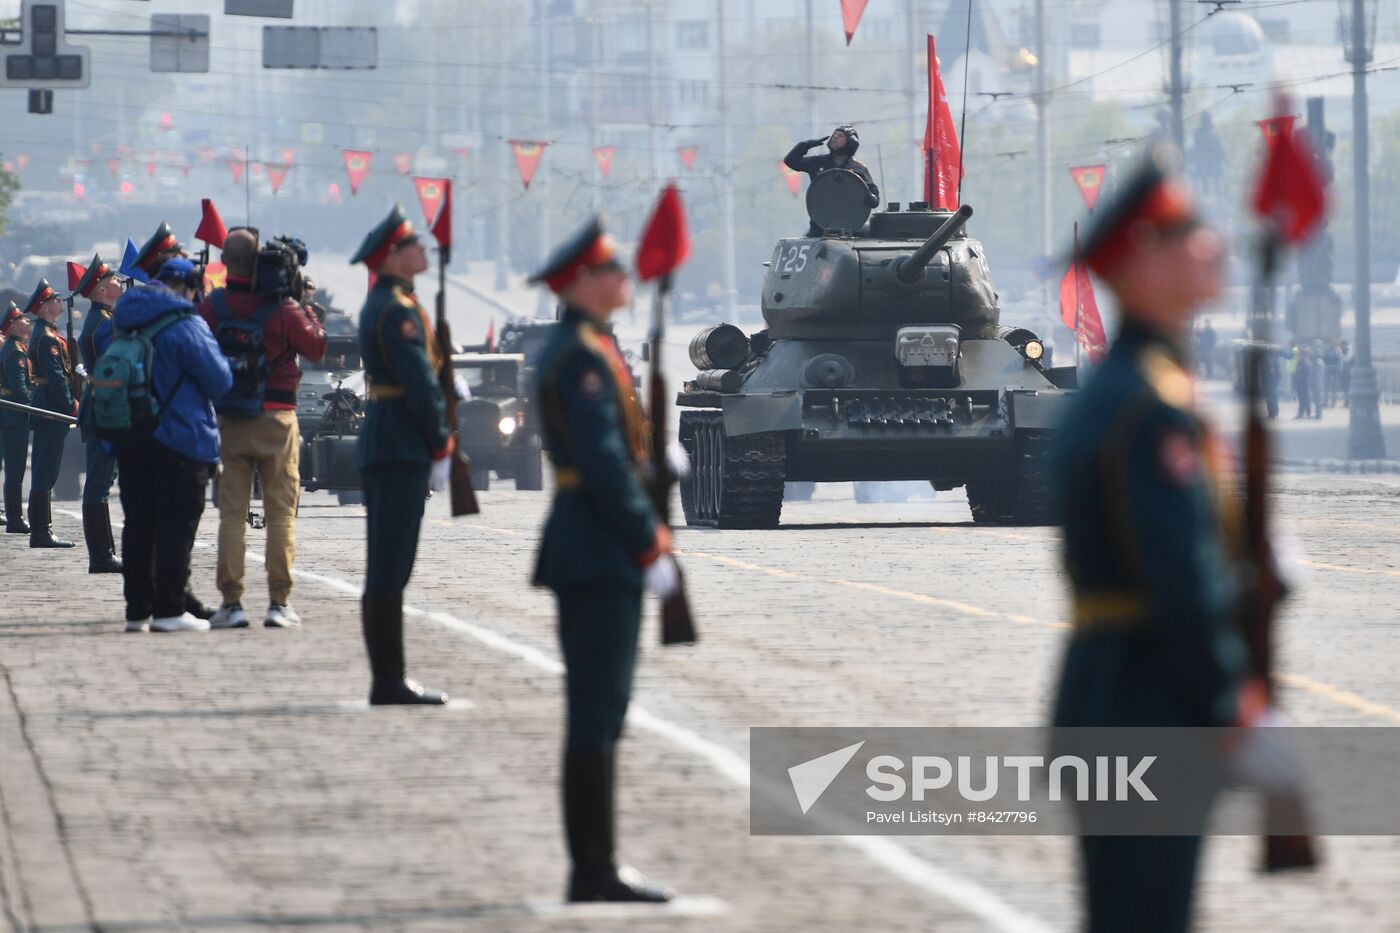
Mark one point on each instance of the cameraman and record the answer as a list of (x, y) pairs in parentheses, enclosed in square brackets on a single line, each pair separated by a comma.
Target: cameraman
[(260, 434)]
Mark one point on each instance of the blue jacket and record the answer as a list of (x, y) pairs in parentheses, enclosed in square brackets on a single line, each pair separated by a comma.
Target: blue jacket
[(185, 354)]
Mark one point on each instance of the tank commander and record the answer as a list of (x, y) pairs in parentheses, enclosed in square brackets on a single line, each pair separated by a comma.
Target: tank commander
[(841, 148)]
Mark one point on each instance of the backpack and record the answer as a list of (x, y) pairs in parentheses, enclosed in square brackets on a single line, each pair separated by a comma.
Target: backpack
[(240, 340), (124, 402)]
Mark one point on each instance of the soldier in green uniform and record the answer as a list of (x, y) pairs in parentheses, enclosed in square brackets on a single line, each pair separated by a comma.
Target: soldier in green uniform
[(51, 360), (16, 385), (102, 287), (1151, 540), (404, 445), (602, 543)]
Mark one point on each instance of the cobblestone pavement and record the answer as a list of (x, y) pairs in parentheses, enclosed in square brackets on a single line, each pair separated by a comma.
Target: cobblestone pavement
[(233, 780)]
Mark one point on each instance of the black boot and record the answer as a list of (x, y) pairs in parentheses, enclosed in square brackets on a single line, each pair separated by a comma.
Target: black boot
[(14, 513), (41, 534), (97, 531), (588, 821), (383, 627), (196, 608)]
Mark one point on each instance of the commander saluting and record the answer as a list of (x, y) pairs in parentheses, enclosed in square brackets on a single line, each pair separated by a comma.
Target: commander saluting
[(841, 148)]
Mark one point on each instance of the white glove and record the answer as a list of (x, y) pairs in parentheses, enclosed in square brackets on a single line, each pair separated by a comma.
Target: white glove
[(81, 370), (438, 475), (464, 392), (661, 577), (678, 460), (1264, 758)]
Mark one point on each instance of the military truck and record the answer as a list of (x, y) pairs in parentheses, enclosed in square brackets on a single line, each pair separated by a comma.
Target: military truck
[(884, 358), (494, 422)]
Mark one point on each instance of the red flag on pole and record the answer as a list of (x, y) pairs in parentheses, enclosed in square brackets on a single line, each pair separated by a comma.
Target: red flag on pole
[(851, 12), (276, 174), (1291, 196), (75, 275), (665, 243), (211, 225), (1275, 125), (688, 156), (442, 227), (356, 167), (430, 195), (1089, 178), (942, 160), (604, 157), (793, 179), (114, 166), (1080, 311), (527, 157), (403, 162), (236, 166)]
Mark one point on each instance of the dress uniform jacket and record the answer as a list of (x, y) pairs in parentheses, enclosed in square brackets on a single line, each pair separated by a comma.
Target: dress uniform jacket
[(52, 362), (97, 315), (1150, 535), (601, 521), (16, 381)]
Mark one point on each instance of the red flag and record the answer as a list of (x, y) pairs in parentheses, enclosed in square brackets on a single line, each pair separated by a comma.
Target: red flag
[(430, 194), (942, 159), (236, 166), (688, 156), (356, 167), (851, 12), (22, 160), (1291, 196), (604, 157), (75, 275), (1080, 311), (527, 157), (1089, 178), (276, 174), (665, 242), (151, 168), (211, 225), (793, 179), (491, 336), (403, 162), (442, 227), (1275, 125), (114, 166)]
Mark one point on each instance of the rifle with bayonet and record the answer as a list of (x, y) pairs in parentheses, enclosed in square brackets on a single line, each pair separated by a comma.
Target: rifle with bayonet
[(75, 357), (37, 412), (459, 481)]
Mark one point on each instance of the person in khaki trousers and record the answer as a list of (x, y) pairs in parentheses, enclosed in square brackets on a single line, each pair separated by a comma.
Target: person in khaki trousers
[(258, 427)]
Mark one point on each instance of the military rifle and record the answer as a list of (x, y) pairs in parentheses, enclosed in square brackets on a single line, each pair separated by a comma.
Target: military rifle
[(38, 412), (75, 357), (459, 482)]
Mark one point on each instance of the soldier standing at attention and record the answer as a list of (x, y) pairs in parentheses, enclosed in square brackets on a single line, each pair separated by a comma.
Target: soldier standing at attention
[(1150, 534), (101, 286), (404, 445), (16, 385), (601, 544), (51, 360)]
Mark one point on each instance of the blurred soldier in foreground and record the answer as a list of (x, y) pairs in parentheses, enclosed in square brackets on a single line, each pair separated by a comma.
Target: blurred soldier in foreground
[(51, 360), (16, 385), (1151, 534), (404, 445), (602, 543), (101, 286)]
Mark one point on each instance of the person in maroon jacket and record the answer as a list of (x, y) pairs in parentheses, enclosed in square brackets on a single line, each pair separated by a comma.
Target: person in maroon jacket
[(267, 442)]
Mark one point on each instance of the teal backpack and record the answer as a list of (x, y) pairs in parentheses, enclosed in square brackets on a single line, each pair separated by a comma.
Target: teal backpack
[(124, 401)]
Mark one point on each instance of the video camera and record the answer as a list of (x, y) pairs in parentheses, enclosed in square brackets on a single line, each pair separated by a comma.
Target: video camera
[(277, 270)]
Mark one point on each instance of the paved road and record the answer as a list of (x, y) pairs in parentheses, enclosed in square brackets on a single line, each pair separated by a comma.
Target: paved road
[(233, 780)]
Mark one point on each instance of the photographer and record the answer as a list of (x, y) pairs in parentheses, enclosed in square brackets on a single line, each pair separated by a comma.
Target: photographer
[(262, 328)]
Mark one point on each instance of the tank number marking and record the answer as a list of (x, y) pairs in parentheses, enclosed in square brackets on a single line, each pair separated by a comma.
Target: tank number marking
[(796, 259)]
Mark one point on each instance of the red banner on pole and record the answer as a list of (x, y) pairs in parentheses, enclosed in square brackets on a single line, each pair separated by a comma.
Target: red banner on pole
[(527, 157), (403, 162), (442, 227), (1089, 178), (356, 167), (114, 166), (942, 158), (793, 179), (211, 226), (236, 167), (430, 194), (1080, 311), (665, 242), (276, 174), (851, 12), (1275, 125), (688, 156), (1291, 195), (75, 275), (604, 156)]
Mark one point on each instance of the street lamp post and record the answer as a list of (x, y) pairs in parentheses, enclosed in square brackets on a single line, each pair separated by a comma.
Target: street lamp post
[(1364, 438)]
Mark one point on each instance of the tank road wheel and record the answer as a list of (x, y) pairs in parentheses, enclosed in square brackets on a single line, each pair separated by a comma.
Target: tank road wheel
[(1022, 499), (734, 482)]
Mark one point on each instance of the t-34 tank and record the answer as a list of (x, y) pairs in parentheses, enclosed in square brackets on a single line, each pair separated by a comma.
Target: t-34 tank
[(883, 359)]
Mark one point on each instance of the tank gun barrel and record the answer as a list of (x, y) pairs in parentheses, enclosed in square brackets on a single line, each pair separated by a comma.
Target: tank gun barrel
[(912, 266)]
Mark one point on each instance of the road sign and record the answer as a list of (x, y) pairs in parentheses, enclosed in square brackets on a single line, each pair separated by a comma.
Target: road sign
[(337, 47), (280, 9), (180, 43), (42, 59)]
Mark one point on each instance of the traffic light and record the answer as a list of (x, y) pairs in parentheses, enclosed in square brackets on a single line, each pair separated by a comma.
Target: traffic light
[(42, 59)]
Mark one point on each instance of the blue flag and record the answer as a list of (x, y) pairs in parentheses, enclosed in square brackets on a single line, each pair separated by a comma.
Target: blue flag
[(129, 268)]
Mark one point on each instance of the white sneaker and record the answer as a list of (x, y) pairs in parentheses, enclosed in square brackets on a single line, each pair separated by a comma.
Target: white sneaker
[(181, 623), (281, 615), (138, 625), (229, 616)]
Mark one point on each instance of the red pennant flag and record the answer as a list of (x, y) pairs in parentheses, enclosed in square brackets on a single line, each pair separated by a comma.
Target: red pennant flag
[(1291, 196), (289, 157), (1275, 125), (1089, 178), (403, 162), (604, 157), (688, 156), (114, 166), (1080, 311), (276, 174), (527, 157), (430, 194), (851, 12), (442, 227), (236, 166), (75, 275), (942, 159), (793, 179), (665, 242), (356, 167), (22, 160), (211, 225), (491, 336)]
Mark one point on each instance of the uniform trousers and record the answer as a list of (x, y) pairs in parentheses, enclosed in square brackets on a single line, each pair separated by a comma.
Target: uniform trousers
[(162, 495), (16, 452), (598, 628), (48, 453), (101, 473), (394, 497), (1139, 884)]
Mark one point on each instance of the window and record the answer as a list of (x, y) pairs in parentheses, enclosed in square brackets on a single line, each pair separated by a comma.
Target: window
[(693, 35)]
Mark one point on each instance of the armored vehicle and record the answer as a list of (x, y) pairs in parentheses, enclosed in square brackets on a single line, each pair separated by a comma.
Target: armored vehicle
[(883, 358), (493, 423), (330, 407)]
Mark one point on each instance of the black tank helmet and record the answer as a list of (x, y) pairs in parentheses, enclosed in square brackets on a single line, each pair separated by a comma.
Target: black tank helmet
[(852, 139)]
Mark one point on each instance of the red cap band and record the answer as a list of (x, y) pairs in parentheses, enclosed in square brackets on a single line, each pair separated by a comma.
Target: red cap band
[(402, 232), (602, 250), (1168, 205)]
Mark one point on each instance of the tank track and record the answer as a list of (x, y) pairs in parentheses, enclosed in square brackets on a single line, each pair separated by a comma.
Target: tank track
[(734, 482), (1023, 500)]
